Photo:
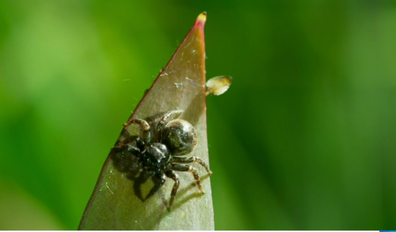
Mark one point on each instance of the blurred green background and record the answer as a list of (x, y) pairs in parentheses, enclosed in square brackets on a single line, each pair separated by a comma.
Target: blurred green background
[(304, 139)]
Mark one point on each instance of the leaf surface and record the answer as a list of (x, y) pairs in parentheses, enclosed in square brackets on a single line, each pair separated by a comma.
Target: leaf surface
[(118, 200)]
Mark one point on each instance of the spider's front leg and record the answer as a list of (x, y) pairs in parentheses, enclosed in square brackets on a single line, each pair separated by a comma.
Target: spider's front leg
[(146, 134), (132, 149)]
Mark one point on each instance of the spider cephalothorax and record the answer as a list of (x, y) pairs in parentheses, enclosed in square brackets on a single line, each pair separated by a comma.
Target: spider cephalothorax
[(161, 158)]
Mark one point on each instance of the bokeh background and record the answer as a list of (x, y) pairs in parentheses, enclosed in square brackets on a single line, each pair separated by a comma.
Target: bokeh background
[(304, 139)]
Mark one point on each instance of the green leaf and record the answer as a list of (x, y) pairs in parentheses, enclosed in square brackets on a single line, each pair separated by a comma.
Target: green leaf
[(118, 200)]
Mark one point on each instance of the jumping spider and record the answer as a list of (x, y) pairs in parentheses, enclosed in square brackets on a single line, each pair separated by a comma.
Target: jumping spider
[(163, 156)]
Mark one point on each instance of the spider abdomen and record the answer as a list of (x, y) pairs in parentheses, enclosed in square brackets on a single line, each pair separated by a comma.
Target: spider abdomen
[(180, 137)]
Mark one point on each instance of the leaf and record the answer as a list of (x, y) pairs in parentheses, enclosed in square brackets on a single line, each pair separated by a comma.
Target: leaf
[(118, 198)]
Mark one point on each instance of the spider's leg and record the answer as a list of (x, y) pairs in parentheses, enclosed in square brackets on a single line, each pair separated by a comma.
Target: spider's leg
[(188, 168), (161, 180), (140, 143), (134, 150), (146, 134), (167, 116), (192, 159), (171, 174), (120, 146)]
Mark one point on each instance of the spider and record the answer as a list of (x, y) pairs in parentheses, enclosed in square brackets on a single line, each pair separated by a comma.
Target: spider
[(176, 139)]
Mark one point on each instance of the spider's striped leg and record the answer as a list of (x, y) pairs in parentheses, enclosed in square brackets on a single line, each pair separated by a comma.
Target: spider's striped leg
[(146, 134), (188, 168), (192, 159)]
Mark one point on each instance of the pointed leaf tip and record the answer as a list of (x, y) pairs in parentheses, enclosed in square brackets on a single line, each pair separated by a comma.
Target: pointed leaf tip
[(201, 18)]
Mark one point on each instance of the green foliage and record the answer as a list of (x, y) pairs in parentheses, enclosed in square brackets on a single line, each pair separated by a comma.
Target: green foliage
[(304, 138)]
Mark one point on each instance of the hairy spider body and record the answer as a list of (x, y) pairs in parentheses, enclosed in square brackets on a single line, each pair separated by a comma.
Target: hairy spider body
[(176, 139)]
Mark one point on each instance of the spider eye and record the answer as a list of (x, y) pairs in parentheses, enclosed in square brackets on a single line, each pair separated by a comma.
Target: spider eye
[(180, 137)]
